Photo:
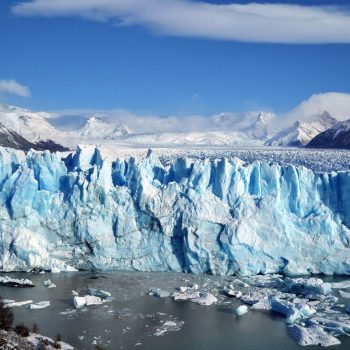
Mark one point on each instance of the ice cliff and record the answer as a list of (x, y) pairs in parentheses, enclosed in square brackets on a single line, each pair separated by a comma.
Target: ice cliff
[(202, 216)]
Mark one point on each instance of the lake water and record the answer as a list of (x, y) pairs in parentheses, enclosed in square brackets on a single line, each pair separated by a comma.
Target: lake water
[(132, 318)]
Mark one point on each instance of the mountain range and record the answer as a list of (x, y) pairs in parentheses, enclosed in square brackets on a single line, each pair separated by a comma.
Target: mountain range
[(24, 129)]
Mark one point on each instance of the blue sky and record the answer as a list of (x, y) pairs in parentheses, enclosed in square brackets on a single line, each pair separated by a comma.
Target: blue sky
[(74, 62)]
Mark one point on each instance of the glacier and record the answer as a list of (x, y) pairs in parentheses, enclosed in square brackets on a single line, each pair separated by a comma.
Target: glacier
[(223, 216)]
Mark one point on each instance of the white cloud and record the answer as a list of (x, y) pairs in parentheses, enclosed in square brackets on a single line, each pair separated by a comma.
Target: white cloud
[(335, 103), (268, 23), (13, 87)]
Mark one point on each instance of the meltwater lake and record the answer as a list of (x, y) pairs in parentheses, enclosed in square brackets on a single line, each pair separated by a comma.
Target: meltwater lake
[(133, 319)]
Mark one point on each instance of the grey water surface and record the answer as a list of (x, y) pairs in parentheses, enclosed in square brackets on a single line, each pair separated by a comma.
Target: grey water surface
[(132, 318)]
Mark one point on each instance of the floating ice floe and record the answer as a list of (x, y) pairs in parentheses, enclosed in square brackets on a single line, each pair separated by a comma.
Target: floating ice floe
[(74, 293), (160, 293), (341, 285), (344, 294), (19, 303), (87, 300), (252, 297), (241, 310), (13, 282), (263, 304), (49, 284), (230, 292), (313, 335), (168, 326), (285, 308), (334, 326), (99, 293), (205, 299), (39, 305), (191, 294), (308, 286)]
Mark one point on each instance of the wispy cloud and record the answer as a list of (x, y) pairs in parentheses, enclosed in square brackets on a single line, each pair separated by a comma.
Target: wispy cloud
[(267, 23), (335, 103), (13, 87)]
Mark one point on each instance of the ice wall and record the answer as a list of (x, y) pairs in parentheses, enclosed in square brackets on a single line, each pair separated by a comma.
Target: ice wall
[(219, 217)]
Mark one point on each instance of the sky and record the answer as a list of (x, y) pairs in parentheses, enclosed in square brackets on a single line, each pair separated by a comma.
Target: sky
[(173, 57)]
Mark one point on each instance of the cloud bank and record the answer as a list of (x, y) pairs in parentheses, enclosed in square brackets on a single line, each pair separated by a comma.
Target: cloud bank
[(264, 23), (335, 103), (13, 87)]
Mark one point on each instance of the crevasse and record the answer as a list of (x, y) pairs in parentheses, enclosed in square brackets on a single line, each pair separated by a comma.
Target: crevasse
[(201, 216)]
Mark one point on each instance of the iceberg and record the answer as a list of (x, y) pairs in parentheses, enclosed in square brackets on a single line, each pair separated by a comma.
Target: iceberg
[(88, 210), (14, 282), (49, 284), (286, 308), (241, 310), (205, 299), (160, 293), (87, 300), (313, 335)]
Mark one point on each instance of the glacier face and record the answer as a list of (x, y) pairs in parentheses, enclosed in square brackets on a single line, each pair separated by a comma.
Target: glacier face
[(201, 216)]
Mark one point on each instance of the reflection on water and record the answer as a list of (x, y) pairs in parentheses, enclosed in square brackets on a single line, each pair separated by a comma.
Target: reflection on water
[(133, 318)]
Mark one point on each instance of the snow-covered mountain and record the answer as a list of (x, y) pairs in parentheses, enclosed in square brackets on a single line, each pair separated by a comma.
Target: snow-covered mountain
[(250, 129), (97, 129), (34, 126), (337, 136), (262, 127), (9, 138), (300, 133)]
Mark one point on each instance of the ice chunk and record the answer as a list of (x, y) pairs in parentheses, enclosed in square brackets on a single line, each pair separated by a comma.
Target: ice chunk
[(341, 285), (49, 284), (347, 310), (13, 282), (263, 304), (252, 297), (307, 286), (168, 326), (157, 292), (99, 293), (336, 327), (92, 300), (232, 293), (305, 309), (19, 303), (344, 294), (237, 282), (286, 308), (79, 301), (39, 305), (192, 294), (75, 293), (312, 335), (205, 299), (87, 300), (241, 310)]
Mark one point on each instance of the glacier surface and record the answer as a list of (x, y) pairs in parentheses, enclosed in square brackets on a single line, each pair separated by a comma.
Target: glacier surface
[(202, 216)]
